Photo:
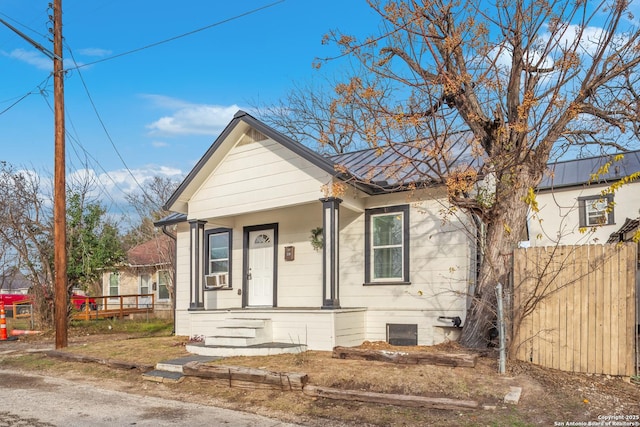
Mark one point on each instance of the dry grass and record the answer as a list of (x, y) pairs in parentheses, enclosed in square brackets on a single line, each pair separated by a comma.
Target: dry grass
[(548, 396)]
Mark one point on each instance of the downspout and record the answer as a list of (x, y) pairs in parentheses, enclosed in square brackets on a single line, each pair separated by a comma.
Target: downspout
[(173, 265)]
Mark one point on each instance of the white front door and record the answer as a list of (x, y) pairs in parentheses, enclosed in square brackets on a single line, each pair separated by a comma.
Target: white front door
[(260, 268)]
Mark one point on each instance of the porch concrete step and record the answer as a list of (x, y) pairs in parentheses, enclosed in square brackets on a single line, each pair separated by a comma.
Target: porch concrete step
[(265, 349), (241, 332), (175, 365), (244, 322)]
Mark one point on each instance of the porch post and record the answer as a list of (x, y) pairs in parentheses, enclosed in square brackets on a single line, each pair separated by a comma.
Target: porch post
[(330, 264), (196, 267)]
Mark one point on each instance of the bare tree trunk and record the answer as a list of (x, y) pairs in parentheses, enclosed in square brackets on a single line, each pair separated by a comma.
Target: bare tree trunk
[(502, 236)]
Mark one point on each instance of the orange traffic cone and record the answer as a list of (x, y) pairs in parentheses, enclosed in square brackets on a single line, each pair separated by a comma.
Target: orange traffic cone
[(3, 323)]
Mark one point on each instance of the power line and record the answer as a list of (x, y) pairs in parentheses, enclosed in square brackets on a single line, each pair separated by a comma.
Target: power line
[(106, 131), (23, 97), (233, 18)]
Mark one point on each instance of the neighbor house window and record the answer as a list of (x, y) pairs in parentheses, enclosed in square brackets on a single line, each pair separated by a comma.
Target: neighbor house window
[(596, 210), (145, 284), (387, 245), (164, 281), (114, 284), (218, 258)]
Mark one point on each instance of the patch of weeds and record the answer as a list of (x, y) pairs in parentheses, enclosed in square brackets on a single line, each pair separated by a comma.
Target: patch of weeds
[(510, 419), (301, 358), (29, 362), (149, 327)]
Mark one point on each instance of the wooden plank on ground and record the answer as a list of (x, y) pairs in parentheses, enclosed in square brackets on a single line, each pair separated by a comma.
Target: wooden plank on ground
[(390, 399), (407, 358), (243, 377), (112, 363)]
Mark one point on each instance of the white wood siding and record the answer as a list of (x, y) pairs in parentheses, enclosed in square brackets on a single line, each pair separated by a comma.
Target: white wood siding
[(558, 220), (439, 264), (257, 176), (182, 291)]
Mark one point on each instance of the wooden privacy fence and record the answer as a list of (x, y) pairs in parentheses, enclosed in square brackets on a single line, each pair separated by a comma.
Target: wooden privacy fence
[(574, 308)]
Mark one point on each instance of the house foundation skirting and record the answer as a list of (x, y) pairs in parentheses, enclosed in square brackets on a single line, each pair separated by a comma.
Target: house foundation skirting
[(315, 328)]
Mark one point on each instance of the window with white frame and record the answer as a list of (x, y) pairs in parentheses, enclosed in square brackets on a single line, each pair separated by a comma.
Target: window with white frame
[(164, 281), (145, 283), (387, 245), (114, 284), (596, 210), (218, 258)]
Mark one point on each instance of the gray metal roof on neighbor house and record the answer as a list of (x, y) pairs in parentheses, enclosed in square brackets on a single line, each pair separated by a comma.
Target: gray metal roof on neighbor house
[(579, 171)]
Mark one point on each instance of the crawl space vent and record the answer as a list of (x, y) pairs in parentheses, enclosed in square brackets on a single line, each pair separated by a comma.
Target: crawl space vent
[(398, 334)]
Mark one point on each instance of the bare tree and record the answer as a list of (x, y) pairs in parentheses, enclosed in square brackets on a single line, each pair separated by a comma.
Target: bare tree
[(25, 231), (148, 203), (486, 95), (310, 116)]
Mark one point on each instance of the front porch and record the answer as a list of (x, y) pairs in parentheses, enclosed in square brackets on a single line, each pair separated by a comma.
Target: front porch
[(264, 331)]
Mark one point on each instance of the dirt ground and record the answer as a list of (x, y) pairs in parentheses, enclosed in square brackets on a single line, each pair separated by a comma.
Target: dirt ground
[(548, 397)]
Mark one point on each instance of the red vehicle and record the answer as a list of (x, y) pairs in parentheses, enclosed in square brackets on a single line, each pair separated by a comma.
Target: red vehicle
[(79, 302)]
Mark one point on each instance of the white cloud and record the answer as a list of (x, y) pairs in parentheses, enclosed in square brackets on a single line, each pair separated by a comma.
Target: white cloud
[(190, 119), (113, 186), (31, 57), (159, 144), (94, 51)]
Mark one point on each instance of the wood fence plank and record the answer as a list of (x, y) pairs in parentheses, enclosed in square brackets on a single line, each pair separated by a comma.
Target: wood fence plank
[(516, 349), (607, 282), (617, 286), (592, 319), (568, 314), (576, 310), (561, 310), (598, 272), (631, 306), (584, 309)]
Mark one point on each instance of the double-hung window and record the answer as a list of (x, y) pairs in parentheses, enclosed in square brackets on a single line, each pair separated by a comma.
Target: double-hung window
[(218, 258), (164, 281), (596, 210), (387, 245), (145, 283), (114, 284)]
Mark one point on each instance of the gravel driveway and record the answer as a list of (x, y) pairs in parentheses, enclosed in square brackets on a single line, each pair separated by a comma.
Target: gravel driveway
[(39, 401)]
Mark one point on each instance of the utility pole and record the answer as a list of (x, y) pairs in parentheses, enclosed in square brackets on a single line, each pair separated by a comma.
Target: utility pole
[(59, 181), (59, 186)]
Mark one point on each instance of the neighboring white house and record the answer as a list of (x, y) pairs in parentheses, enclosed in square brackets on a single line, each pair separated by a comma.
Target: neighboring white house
[(572, 207), (390, 268)]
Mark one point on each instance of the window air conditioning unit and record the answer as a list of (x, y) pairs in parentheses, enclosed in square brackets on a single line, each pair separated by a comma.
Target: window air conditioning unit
[(216, 280)]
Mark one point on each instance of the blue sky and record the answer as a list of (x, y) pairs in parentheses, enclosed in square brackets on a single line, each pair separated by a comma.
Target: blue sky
[(161, 107)]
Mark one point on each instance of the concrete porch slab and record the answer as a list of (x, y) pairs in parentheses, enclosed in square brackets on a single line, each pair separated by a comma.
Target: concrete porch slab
[(265, 349)]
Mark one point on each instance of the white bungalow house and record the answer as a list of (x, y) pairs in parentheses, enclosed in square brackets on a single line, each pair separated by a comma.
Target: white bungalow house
[(280, 246)]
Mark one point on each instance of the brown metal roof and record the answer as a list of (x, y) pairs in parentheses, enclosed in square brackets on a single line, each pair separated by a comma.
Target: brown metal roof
[(155, 252)]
